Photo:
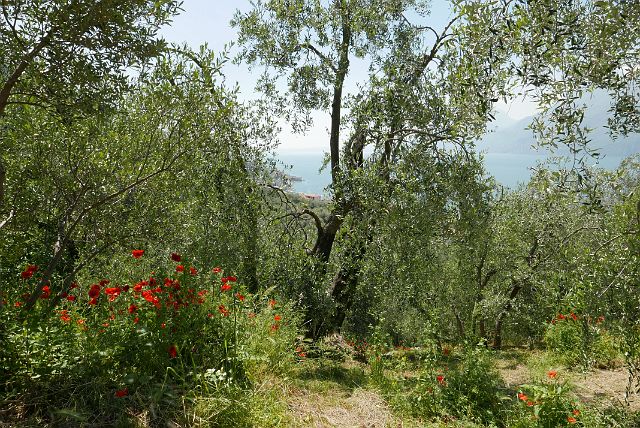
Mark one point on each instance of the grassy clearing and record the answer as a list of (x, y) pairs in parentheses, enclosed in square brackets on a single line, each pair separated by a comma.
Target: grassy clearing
[(329, 393), (407, 388)]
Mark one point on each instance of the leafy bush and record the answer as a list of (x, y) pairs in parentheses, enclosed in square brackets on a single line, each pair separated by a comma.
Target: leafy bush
[(546, 404), (141, 342), (468, 388), (333, 347), (577, 340)]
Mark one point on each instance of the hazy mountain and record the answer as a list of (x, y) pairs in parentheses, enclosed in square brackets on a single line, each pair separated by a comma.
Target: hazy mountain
[(511, 136)]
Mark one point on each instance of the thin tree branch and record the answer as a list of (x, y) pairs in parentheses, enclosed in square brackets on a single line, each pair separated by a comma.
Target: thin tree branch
[(315, 217), (5, 221), (614, 238), (613, 281), (309, 47), (67, 234), (8, 85)]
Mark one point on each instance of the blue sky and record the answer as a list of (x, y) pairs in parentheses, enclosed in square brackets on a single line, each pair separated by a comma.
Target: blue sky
[(207, 21)]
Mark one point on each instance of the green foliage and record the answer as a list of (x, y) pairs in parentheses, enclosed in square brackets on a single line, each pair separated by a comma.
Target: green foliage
[(465, 386), (111, 140), (70, 57), (576, 340), (139, 343), (472, 389), (546, 404)]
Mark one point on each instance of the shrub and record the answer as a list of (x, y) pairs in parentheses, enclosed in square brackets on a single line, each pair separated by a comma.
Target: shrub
[(576, 340), (468, 388), (546, 404), (153, 339)]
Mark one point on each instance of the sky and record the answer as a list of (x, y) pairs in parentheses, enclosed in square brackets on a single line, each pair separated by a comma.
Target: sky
[(208, 21)]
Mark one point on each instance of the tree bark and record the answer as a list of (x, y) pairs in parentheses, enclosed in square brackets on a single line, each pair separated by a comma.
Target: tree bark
[(497, 340), (345, 282), (515, 289), (336, 104), (482, 281), (459, 323)]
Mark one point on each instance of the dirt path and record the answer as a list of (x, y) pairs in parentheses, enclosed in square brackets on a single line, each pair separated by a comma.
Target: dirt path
[(338, 408), (605, 386), (336, 396)]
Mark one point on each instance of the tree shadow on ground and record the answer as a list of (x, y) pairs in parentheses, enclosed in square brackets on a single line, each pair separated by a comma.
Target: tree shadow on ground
[(343, 375)]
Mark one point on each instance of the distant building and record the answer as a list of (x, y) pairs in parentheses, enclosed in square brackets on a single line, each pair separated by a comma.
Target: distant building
[(311, 196)]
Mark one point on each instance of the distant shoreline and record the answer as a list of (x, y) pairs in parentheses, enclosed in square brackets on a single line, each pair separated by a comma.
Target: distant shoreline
[(509, 169)]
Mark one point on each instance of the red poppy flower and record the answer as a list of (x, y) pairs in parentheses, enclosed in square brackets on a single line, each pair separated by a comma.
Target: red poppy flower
[(560, 317), (576, 412), (137, 253), (277, 318), (552, 374), (216, 269), (272, 303), (122, 393), (225, 287), (136, 320), (224, 311), (29, 271), (175, 257), (80, 321), (522, 397), (441, 380), (571, 420), (179, 268), (173, 352), (275, 327), (573, 316), (64, 315), (112, 292), (139, 285), (94, 291), (530, 403), (149, 297), (240, 297), (232, 278), (132, 308), (93, 301), (73, 285), (17, 304), (46, 292), (71, 298), (193, 271)]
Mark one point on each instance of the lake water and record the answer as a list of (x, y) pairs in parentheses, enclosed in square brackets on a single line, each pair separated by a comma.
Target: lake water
[(508, 169)]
